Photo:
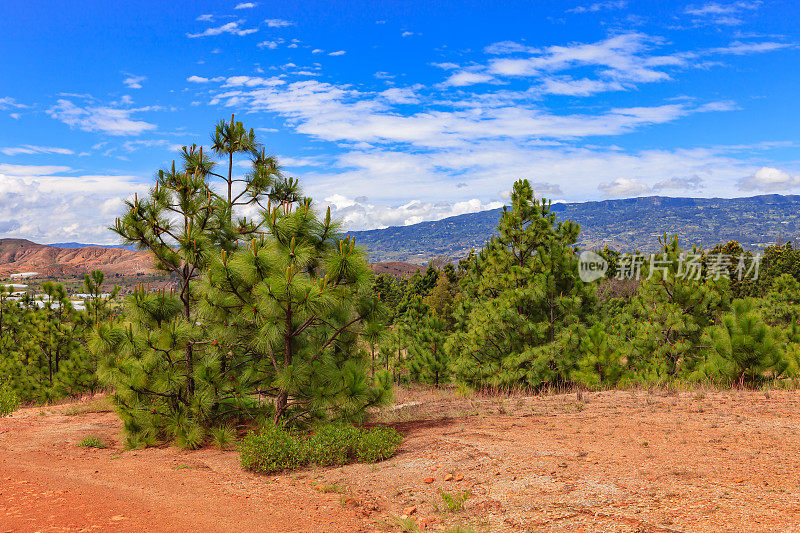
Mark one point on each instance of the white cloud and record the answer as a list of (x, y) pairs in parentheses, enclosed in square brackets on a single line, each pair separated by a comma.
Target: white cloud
[(134, 82), (407, 34), (271, 45), (10, 103), (42, 204), (31, 170), (252, 81), (205, 18), (201, 79), (402, 95), (232, 28), (357, 213), (739, 48), (768, 179), (317, 51), (463, 78), (112, 121), (467, 145), (31, 149), (246, 5), (623, 187), (599, 6), (338, 53), (721, 14), (279, 23)]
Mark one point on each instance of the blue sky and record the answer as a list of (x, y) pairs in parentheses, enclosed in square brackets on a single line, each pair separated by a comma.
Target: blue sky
[(396, 112)]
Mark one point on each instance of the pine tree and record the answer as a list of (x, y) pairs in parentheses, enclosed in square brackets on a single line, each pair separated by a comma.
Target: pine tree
[(291, 307), (428, 361), (520, 292), (600, 360), (669, 315), (743, 350)]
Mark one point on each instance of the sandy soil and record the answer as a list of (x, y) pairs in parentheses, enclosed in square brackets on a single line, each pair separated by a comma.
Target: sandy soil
[(613, 461)]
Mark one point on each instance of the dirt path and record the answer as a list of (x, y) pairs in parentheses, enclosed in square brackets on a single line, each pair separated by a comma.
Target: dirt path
[(615, 461)]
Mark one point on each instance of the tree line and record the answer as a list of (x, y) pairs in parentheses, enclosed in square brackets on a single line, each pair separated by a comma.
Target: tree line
[(275, 316)]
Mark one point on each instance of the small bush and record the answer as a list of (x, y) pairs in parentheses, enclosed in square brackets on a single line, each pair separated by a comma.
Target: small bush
[(333, 445), (455, 501), (272, 450), (377, 445), (8, 401), (222, 436), (275, 450), (93, 442)]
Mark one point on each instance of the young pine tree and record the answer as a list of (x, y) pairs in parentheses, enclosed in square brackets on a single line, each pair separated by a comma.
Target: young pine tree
[(743, 350), (289, 309), (520, 293)]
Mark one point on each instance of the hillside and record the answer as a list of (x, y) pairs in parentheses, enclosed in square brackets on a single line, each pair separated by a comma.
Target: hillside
[(20, 255), (629, 224)]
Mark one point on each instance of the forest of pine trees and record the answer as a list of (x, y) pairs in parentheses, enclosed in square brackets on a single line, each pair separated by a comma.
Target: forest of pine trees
[(275, 316)]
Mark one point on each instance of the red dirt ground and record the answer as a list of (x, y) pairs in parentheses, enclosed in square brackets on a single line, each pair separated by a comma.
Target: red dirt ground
[(614, 461)]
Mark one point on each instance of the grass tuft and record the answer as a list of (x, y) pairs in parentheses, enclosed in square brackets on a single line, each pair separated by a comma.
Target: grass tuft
[(93, 442)]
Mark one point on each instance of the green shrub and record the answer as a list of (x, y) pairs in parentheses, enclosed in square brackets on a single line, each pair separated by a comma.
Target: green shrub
[(332, 445), (222, 436), (8, 401), (274, 449), (376, 445), (455, 501), (93, 442)]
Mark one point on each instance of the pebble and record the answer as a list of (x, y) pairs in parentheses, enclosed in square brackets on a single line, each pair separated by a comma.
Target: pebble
[(429, 480)]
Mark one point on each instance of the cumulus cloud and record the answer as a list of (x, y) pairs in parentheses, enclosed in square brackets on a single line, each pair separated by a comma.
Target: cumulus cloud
[(232, 28), (134, 82), (246, 5), (623, 187), (692, 183), (48, 204), (357, 213), (769, 179), (271, 45), (113, 121), (338, 53)]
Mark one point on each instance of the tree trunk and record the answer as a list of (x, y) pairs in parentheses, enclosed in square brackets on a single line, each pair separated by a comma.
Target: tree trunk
[(281, 401)]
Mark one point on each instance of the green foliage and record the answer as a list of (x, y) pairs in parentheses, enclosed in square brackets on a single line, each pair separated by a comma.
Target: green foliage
[(93, 442), (223, 436), (43, 342), (669, 315), (274, 449), (743, 349), (271, 307), (427, 331), (455, 502), (521, 293), (8, 401), (600, 361)]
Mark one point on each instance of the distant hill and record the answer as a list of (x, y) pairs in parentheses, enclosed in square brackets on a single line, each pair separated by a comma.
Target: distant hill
[(628, 225), (86, 245), (20, 255)]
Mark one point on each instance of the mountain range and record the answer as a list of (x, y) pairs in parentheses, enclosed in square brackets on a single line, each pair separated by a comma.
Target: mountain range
[(627, 225)]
